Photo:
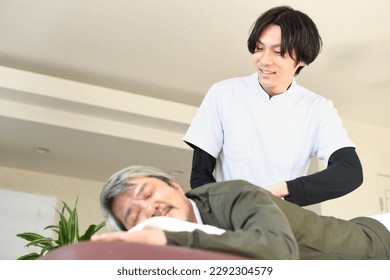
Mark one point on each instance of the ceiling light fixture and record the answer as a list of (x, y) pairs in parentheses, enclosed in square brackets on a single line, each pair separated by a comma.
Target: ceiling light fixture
[(42, 150)]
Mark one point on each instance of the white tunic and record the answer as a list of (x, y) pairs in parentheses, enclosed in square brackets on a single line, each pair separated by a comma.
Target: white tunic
[(263, 140)]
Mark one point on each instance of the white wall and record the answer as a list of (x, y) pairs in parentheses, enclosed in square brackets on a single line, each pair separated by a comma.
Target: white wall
[(32, 212), (63, 188)]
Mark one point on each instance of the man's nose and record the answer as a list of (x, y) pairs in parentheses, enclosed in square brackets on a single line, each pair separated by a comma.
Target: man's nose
[(266, 58), (153, 209)]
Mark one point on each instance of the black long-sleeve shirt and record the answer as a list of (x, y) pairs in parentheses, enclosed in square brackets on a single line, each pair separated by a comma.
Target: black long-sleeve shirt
[(343, 175)]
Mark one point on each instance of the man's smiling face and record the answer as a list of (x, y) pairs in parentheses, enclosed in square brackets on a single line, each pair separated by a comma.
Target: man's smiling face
[(274, 70), (150, 197)]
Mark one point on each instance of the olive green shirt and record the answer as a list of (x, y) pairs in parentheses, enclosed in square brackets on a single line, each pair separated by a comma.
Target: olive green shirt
[(261, 226)]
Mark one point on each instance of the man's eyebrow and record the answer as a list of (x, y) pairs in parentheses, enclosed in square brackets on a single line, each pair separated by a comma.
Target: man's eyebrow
[(274, 46), (141, 189)]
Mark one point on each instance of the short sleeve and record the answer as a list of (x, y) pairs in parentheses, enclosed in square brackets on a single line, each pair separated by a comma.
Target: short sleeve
[(206, 130), (331, 134)]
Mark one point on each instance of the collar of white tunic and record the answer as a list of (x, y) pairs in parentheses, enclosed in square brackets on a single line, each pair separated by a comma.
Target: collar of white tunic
[(264, 95)]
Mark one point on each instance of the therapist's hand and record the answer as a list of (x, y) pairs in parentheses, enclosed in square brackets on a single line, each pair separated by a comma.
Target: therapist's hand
[(279, 189), (152, 236)]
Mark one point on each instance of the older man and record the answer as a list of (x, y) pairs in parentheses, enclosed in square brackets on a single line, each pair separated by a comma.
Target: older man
[(233, 216)]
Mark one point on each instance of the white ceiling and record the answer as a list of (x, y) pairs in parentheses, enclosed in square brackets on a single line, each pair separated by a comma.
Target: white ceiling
[(170, 50)]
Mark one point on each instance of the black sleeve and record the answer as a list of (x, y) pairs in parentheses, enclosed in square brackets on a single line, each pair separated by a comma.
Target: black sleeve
[(343, 175), (203, 165)]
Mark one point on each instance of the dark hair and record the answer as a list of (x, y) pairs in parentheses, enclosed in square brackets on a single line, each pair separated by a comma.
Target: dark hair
[(300, 36)]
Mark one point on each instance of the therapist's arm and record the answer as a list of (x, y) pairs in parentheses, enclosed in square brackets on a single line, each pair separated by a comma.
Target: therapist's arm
[(203, 165), (343, 175)]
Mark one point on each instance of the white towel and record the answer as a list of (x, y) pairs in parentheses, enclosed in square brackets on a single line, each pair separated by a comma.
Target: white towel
[(175, 225)]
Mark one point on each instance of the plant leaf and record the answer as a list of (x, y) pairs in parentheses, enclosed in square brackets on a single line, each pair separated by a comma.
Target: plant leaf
[(42, 242), (73, 226), (51, 227), (92, 229), (29, 236), (67, 231), (31, 256), (63, 236)]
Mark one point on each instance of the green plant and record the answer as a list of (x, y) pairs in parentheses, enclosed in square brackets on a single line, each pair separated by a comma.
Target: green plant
[(67, 233)]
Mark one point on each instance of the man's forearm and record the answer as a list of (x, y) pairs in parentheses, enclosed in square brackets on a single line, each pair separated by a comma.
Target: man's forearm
[(343, 175)]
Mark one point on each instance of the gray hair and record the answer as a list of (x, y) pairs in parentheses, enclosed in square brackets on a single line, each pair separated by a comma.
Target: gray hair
[(118, 183)]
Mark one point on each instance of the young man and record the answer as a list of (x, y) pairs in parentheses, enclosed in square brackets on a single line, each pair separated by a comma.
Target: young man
[(265, 128), (234, 217)]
